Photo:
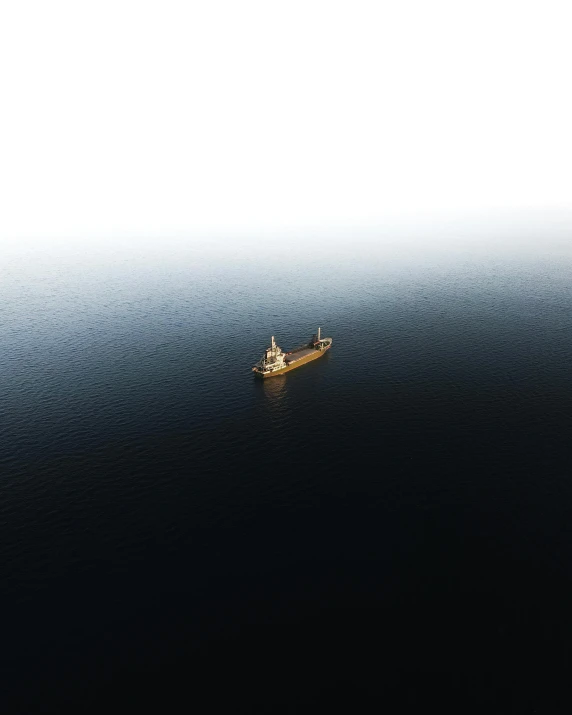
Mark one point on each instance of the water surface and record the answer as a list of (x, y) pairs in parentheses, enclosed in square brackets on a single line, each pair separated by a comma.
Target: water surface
[(407, 496)]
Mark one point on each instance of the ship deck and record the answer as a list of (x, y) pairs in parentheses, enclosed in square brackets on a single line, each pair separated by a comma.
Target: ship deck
[(299, 354)]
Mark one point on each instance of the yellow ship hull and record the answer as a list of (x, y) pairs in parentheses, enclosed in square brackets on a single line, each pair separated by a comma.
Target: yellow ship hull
[(302, 361)]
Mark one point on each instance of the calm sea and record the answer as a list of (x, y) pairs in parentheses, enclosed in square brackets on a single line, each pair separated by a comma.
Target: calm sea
[(389, 524)]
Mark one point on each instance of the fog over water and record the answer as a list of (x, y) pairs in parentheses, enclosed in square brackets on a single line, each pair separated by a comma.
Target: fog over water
[(166, 118)]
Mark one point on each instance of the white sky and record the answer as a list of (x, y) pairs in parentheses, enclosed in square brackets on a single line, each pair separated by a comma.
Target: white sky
[(164, 118)]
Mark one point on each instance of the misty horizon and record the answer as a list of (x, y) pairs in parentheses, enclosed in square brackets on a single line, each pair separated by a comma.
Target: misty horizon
[(185, 119)]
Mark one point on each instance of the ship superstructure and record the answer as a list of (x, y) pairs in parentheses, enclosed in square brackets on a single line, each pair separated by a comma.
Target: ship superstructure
[(275, 361)]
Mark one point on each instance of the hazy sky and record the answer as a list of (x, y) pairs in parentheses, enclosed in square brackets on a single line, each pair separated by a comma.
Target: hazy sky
[(128, 118)]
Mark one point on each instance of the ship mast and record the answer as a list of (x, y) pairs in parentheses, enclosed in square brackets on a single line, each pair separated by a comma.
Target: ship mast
[(319, 334)]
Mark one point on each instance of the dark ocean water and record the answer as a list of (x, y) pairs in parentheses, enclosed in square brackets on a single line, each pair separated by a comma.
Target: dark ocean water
[(388, 527)]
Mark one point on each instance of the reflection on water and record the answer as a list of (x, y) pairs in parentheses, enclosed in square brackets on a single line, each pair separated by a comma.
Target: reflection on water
[(274, 390), (271, 399)]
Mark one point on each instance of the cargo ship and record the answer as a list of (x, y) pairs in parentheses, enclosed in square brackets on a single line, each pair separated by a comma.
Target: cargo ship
[(275, 362)]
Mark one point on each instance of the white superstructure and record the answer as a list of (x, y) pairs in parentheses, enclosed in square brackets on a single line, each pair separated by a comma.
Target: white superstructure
[(273, 359)]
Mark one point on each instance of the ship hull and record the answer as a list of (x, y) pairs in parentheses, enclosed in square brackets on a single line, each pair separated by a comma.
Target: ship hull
[(293, 366)]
